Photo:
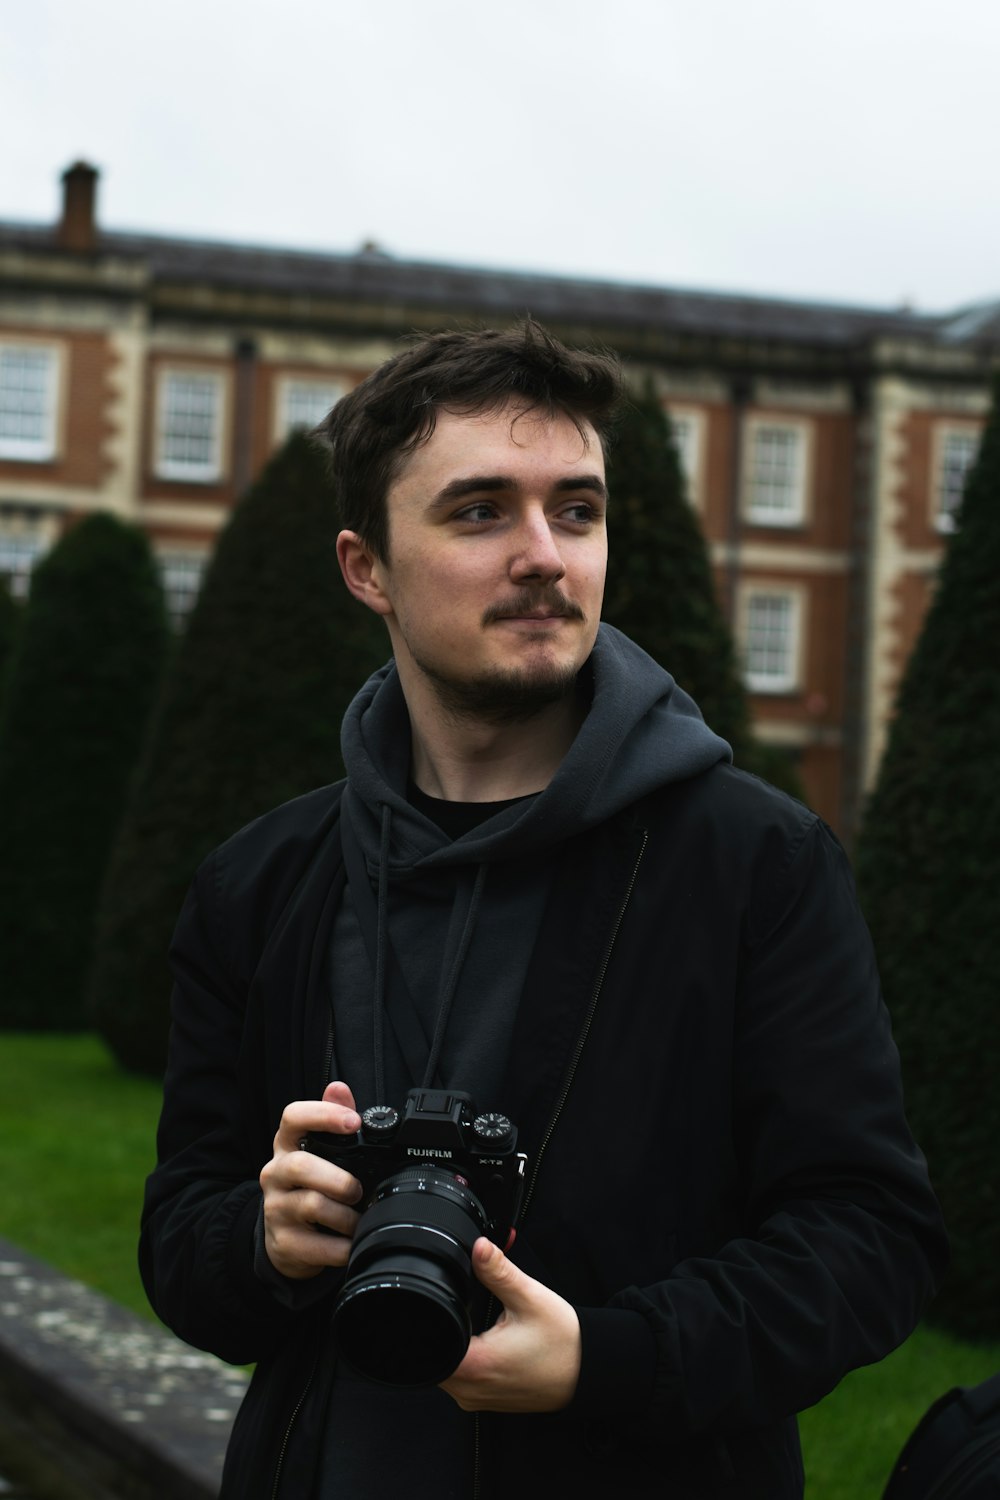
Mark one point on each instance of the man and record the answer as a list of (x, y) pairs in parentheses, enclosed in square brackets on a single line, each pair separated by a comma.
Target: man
[(543, 884)]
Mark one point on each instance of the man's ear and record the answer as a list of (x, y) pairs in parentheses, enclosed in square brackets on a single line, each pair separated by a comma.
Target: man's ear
[(363, 573)]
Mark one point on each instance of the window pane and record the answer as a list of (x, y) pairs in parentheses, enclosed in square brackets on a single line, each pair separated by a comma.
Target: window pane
[(770, 641), (18, 555), (958, 454), (776, 473), (181, 574), (685, 430), (306, 402), (189, 430), (27, 402)]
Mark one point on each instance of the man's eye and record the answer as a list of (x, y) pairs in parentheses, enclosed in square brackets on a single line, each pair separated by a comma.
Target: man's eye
[(581, 511), (482, 511)]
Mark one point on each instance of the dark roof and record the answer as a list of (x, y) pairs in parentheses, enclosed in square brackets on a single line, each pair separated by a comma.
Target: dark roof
[(372, 276)]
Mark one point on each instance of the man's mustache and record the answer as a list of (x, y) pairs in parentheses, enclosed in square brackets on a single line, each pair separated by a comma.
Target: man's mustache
[(549, 600)]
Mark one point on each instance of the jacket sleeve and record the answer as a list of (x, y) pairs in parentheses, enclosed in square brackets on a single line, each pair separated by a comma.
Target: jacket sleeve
[(841, 1234), (203, 1199)]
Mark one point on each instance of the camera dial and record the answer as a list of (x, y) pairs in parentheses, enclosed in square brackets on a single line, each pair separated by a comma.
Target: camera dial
[(379, 1121), (492, 1129)]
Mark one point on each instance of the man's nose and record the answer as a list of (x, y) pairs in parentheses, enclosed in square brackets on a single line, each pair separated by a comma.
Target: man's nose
[(537, 555)]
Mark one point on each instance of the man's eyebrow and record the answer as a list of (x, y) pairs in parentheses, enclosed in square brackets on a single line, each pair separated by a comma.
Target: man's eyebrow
[(485, 484)]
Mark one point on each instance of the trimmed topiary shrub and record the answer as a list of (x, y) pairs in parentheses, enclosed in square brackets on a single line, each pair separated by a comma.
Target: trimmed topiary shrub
[(81, 683), (10, 618), (660, 589), (250, 717), (929, 874)]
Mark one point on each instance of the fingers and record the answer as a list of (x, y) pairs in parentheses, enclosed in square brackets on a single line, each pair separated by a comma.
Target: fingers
[(336, 1116), (309, 1218), (310, 1175)]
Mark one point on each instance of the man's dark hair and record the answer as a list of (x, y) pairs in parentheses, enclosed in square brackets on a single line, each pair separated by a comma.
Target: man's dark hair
[(373, 429)]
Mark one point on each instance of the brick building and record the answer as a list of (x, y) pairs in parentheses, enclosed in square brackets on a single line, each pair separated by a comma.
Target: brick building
[(825, 446)]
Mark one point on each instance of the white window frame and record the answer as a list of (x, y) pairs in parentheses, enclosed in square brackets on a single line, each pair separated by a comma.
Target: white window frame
[(177, 566), (789, 678), (944, 498), (285, 421), (756, 509), (199, 471), (45, 447), (690, 448)]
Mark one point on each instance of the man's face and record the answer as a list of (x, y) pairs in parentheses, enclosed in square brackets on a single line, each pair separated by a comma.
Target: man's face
[(497, 557)]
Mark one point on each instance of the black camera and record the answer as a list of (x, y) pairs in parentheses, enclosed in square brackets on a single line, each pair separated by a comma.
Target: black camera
[(436, 1176)]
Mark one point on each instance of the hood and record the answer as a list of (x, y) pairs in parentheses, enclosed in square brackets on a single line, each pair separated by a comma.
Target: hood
[(641, 732)]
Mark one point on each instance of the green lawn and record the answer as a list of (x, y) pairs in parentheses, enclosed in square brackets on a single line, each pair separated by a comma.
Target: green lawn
[(77, 1137), (76, 1141)]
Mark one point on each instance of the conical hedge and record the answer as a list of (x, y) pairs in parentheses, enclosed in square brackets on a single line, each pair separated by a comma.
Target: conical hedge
[(250, 717), (81, 683), (660, 589), (929, 873), (10, 616)]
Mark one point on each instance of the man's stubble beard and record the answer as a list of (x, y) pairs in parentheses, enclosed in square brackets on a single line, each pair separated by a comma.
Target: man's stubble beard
[(508, 695), (501, 696)]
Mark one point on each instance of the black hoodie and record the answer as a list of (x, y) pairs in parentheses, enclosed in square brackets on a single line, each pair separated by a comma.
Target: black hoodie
[(454, 932), (700, 1066)]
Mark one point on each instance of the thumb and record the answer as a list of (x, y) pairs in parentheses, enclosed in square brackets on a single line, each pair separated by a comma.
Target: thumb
[(338, 1093), (499, 1275)]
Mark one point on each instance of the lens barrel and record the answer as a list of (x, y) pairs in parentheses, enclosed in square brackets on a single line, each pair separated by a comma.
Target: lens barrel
[(403, 1316)]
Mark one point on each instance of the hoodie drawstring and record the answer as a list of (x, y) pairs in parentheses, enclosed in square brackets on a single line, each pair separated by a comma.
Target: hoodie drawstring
[(378, 1009), (451, 984)]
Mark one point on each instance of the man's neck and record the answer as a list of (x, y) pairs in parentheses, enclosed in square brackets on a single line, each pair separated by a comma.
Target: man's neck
[(467, 760)]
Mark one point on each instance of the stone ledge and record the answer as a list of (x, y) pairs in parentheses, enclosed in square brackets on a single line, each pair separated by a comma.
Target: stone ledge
[(96, 1403)]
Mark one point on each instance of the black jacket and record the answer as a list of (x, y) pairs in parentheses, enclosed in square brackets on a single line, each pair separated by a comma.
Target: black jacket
[(721, 1181)]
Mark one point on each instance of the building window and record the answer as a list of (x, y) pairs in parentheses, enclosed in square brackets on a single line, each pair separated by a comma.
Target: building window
[(304, 404), (189, 431), (181, 574), (957, 450), (29, 389), (771, 640), (688, 429), (19, 552), (776, 473)]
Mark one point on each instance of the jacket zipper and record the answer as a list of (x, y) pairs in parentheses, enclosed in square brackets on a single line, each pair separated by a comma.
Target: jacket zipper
[(328, 1059), (291, 1423), (581, 1042), (584, 1031)]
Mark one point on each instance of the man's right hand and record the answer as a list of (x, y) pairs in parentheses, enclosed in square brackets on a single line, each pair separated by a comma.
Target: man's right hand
[(302, 1191)]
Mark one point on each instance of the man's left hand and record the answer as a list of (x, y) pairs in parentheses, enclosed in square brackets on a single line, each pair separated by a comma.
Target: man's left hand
[(530, 1359)]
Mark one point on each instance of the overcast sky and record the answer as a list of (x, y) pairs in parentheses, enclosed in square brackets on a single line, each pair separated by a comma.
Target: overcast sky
[(843, 151)]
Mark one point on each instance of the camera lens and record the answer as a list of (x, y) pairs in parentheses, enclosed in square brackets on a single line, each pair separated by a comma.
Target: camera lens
[(403, 1316)]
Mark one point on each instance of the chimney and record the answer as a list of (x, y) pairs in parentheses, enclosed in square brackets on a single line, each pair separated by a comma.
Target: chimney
[(77, 229)]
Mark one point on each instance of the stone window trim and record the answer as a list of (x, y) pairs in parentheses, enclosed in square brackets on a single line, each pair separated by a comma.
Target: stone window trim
[(954, 448), (192, 417), (777, 470), (31, 413), (301, 401), (772, 636)]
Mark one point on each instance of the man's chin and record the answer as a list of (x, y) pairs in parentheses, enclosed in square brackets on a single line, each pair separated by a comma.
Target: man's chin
[(504, 695)]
